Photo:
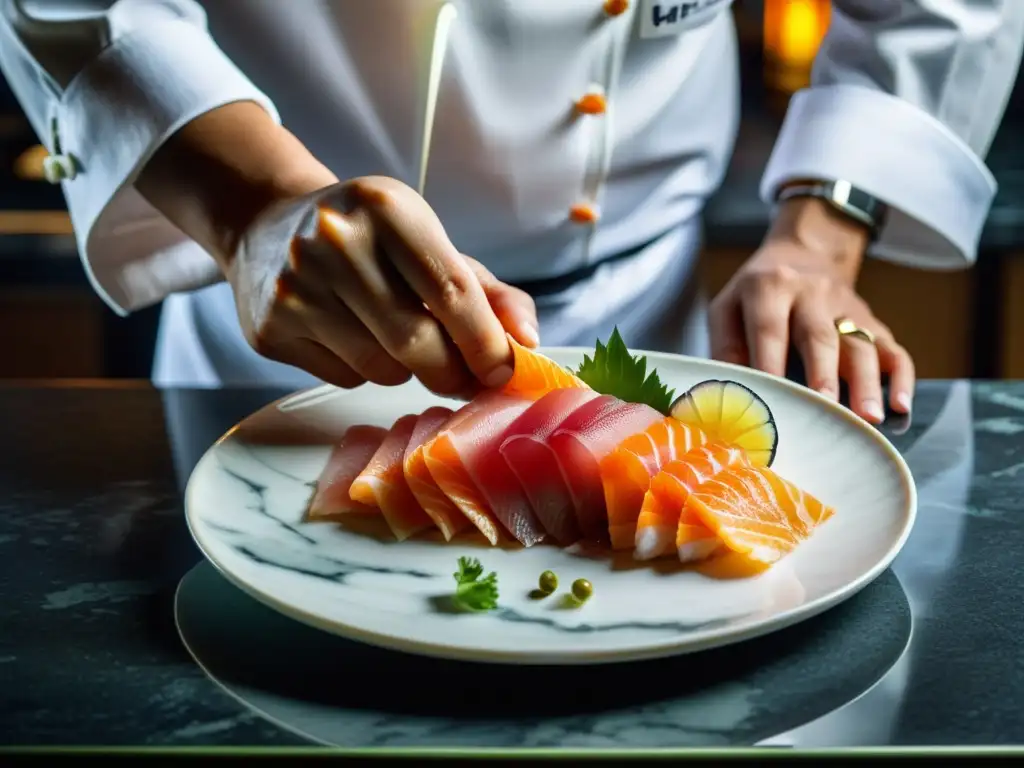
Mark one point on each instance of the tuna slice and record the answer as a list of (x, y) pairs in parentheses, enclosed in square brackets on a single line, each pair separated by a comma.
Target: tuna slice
[(588, 435), (346, 461), (382, 483), (525, 450), (462, 459)]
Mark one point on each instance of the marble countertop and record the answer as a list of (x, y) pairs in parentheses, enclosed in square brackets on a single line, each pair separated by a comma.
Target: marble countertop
[(94, 547)]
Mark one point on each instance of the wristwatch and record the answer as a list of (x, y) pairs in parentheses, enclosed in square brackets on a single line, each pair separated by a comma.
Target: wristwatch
[(843, 197)]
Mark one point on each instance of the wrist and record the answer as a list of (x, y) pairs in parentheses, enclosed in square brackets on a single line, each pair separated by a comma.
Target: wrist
[(290, 172), (259, 198), (838, 241), (219, 173)]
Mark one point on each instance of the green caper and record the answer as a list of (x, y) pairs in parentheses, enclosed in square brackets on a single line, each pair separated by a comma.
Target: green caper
[(582, 589), (548, 582)]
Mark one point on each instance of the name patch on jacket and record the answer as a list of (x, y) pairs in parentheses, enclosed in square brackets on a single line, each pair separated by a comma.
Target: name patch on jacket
[(659, 18)]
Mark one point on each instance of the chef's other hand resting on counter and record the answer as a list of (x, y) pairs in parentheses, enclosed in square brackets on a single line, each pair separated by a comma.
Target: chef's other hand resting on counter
[(426, 133), (791, 291)]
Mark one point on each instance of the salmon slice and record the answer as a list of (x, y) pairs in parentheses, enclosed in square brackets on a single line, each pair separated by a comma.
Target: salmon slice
[(525, 450), (756, 513), (382, 483), (346, 461), (460, 459), (626, 472), (665, 524), (534, 375), (589, 434), (446, 516)]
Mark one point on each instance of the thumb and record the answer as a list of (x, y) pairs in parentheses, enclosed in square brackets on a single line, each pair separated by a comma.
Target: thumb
[(513, 307)]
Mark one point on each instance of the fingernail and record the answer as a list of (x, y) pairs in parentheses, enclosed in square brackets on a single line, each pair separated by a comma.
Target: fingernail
[(903, 401), (499, 376), (873, 409), (828, 392), (529, 334)]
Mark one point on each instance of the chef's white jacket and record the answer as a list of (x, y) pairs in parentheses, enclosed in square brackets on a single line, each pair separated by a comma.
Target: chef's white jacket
[(472, 101)]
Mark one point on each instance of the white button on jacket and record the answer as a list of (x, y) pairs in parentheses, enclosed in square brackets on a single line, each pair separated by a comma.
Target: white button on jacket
[(549, 136)]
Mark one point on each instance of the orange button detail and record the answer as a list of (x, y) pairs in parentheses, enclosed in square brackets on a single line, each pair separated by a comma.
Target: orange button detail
[(615, 7), (583, 213), (592, 104)]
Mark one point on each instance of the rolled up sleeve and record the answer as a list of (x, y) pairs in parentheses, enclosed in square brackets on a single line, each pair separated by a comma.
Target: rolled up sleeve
[(905, 100), (145, 69)]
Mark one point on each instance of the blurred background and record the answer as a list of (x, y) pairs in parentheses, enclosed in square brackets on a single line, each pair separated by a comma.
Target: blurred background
[(957, 325)]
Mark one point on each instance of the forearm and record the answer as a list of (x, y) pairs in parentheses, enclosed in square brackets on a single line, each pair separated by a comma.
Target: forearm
[(221, 170)]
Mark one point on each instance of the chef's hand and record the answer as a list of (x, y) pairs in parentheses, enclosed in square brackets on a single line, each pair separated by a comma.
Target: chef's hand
[(792, 290), (374, 290)]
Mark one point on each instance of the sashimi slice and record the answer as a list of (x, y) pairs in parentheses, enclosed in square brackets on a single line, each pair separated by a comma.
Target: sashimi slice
[(355, 449), (626, 472), (382, 483), (588, 435), (665, 525), (534, 375), (756, 513), (525, 450), (435, 504), (459, 461)]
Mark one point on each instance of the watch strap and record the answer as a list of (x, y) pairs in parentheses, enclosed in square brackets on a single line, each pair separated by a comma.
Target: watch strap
[(844, 197)]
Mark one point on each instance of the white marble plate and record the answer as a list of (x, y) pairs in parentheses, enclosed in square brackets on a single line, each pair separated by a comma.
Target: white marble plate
[(247, 495)]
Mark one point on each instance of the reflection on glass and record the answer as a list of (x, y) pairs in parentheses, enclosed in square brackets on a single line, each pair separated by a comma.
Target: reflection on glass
[(302, 678), (942, 461)]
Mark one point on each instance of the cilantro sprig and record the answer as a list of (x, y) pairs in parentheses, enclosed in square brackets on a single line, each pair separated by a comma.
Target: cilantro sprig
[(473, 593), (614, 371)]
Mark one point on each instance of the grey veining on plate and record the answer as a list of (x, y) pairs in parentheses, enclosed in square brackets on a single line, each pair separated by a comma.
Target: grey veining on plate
[(288, 547), (93, 545)]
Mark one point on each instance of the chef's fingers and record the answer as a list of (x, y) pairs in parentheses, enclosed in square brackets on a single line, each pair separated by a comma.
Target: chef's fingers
[(766, 305), (725, 327), (410, 233), (370, 288), (859, 367), (317, 360), (815, 338), (514, 307), (898, 363), (337, 328), (307, 308), (280, 334)]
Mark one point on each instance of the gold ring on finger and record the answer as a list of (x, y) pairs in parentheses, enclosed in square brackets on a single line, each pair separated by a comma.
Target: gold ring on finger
[(846, 327)]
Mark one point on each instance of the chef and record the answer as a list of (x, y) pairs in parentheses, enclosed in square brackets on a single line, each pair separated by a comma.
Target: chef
[(350, 191)]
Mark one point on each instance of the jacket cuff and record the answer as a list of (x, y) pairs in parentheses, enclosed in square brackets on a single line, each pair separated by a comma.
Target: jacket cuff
[(938, 190), (112, 118)]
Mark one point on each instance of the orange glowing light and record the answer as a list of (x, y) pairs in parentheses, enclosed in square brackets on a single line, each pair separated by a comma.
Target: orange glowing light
[(29, 164), (793, 31)]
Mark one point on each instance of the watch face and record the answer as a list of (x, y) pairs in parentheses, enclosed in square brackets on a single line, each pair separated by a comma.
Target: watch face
[(862, 200), (858, 204)]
